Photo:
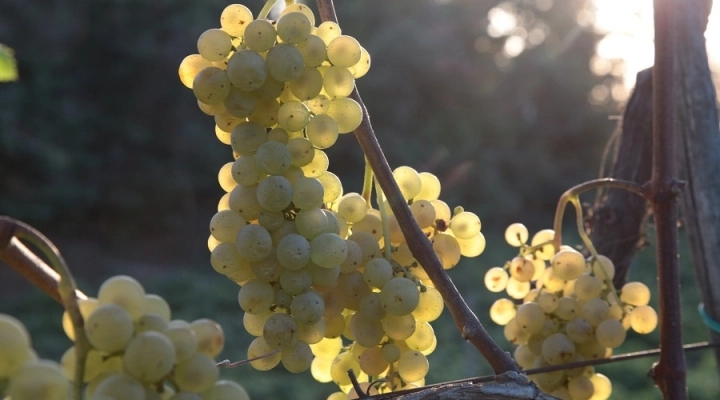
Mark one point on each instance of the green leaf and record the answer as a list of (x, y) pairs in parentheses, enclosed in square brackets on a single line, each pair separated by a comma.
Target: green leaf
[(8, 66)]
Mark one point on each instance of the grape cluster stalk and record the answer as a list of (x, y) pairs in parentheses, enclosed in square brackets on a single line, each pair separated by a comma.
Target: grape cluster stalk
[(325, 276)]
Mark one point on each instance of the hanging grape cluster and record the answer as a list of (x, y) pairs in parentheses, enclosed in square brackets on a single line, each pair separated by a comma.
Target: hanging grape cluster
[(326, 278), (564, 308)]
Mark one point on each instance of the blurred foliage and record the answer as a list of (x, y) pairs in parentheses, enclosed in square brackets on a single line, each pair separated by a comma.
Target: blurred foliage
[(8, 66)]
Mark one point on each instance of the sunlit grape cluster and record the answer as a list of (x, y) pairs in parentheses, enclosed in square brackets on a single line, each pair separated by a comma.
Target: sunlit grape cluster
[(327, 280), (138, 352), (564, 308)]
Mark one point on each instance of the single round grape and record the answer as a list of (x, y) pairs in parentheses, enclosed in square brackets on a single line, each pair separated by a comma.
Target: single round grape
[(430, 305), (328, 250), (312, 333), (368, 245), (362, 66), (211, 85), (226, 390), (273, 158), (603, 268), (87, 306), (268, 269), (346, 112), (293, 116), (596, 311), (602, 387), (269, 91), (377, 272), (588, 287), (496, 279), (548, 301), (184, 341), (210, 336), (311, 222), (116, 386), (274, 193), (293, 27), (399, 327), (338, 81), (558, 349), (517, 289), (319, 105), (424, 213), (465, 225), (227, 183), (253, 242), (399, 296), (213, 109), (307, 193), (246, 171), (352, 207), (39, 380), (239, 103), (297, 357), (155, 304), (502, 311), (260, 35), (225, 225), (301, 151), (280, 331), (547, 251), (214, 44), (308, 85), (284, 62), (149, 357), (322, 131), (258, 347), (265, 113), (314, 52), (301, 8), (551, 282), (235, 18), (447, 249), (568, 264), (522, 269), (256, 296), (412, 366), (124, 291), (189, 67), (579, 330), (293, 251), (247, 137), (307, 308), (109, 328), (530, 317), (343, 51), (422, 338), (246, 70), (328, 31), (580, 387), (352, 288), (244, 201), (226, 122), (610, 333), (366, 332), (635, 293), (643, 319), (196, 374), (567, 309)]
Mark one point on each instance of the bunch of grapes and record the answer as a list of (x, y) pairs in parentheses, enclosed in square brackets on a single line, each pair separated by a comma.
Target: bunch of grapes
[(564, 308), (328, 282)]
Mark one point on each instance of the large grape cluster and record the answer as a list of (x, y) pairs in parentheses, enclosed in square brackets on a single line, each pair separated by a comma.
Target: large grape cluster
[(326, 278), (564, 308)]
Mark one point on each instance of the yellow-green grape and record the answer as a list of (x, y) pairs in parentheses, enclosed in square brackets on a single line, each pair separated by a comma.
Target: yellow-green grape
[(547, 251), (320, 370), (273, 158), (280, 331), (496, 279), (442, 210), (212, 109), (297, 357), (210, 336), (287, 95), (155, 304), (226, 390), (362, 66), (327, 348), (408, 180), (270, 90), (314, 52), (125, 292), (551, 282), (424, 213), (235, 18), (558, 349), (265, 113), (214, 44), (340, 366), (343, 51), (371, 307), (548, 301), (524, 357), (196, 374), (225, 225), (472, 247), (368, 245), (243, 200), (293, 251), (371, 223), (412, 366), (568, 264), (635, 294), (239, 103), (253, 323), (502, 311), (247, 137), (366, 332), (322, 131), (328, 31), (259, 347), (211, 85), (447, 249), (109, 328), (227, 183), (422, 338), (319, 105), (87, 306), (603, 268), (307, 308), (189, 67), (579, 330), (15, 348), (430, 305), (352, 207), (328, 250), (96, 364), (293, 116), (301, 8), (371, 361), (602, 387), (226, 122), (530, 317), (284, 62), (610, 333), (517, 289), (279, 135), (308, 85), (311, 222), (429, 188), (522, 269), (312, 333), (184, 341), (391, 352), (580, 388), (377, 272), (293, 27), (346, 112), (567, 309), (399, 296), (253, 242), (352, 289), (260, 35), (117, 386), (338, 81), (354, 257), (465, 225), (256, 296), (246, 171), (596, 311), (643, 319), (301, 151), (588, 287), (149, 357), (150, 323)]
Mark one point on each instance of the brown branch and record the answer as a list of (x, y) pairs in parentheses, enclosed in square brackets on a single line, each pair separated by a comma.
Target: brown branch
[(669, 373), (467, 322)]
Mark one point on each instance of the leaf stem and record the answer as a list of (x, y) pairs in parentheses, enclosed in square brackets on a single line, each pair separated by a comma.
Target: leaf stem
[(269, 4)]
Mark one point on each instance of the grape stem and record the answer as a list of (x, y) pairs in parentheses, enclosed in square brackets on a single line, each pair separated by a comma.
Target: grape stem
[(467, 322), (368, 184), (383, 218), (229, 365), (269, 4), (12, 232), (356, 385)]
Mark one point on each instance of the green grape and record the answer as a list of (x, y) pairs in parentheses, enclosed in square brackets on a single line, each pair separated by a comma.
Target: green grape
[(253, 323), (399, 296), (307, 193), (524, 357), (280, 331), (14, 344), (320, 370), (465, 225), (225, 225), (149, 357), (602, 387), (336, 224), (522, 269), (447, 249), (422, 338), (362, 66), (588, 287), (297, 357), (635, 293), (293, 27), (273, 158), (117, 386), (603, 268), (279, 135), (296, 282), (610, 333), (224, 202), (274, 193), (319, 105), (125, 292), (568, 264), (235, 18), (423, 212), (312, 333), (212, 109), (210, 336), (259, 347), (391, 352), (340, 367), (301, 151), (293, 116), (579, 330), (189, 67), (260, 35), (184, 341), (197, 374), (352, 289), (369, 246), (311, 222), (287, 95), (247, 137), (377, 272), (301, 8), (558, 349), (429, 187), (150, 323), (371, 223), (39, 380), (226, 390), (592, 350), (109, 328), (346, 112), (412, 366), (596, 311), (567, 309), (265, 113), (243, 200), (256, 296), (328, 31), (87, 306), (96, 364), (155, 304), (551, 282), (343, 51), (269, 90), (225, 179), (472, 247), (338, 81), (430, 305), (293, 251), (547, 251), (308, 85), (371, 308), (313, 51), (328, 250), (226, 122), (214, 44), (211, 85), (284, 62), (332, 186), (502, 311), (367, 332), (327, 348), (352, 207), (409, 182), (580, 387), (322, 131), (246, 70), (246, 171), (239, 103), (548, 301), (643, 319), (371, 361), (253, 242), (530, 317)]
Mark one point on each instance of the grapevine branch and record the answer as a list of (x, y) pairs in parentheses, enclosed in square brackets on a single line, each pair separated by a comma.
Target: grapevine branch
[(466, 321)]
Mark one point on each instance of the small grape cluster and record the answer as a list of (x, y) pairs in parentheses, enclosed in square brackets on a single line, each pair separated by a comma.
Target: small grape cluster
[(564, 309), (138, 352)]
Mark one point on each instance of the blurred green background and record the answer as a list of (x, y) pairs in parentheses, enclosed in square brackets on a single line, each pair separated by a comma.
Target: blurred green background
[(104, 150)]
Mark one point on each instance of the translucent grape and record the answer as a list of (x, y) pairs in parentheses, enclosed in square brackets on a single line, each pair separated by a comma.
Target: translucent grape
[(517, 289), (319, 105), (308, 85), (328, 31), (596, 311), (580, 387), (149, 357), (280, 330), (602, 387), (502, 311), (284, 62), (352, 207), (603, 268), (548, 301), (643, 319), (235, 18), (214, 44), (293, 251), (196, 374), (253, 242), (568, 264), (338, 81), (551, 282), (189, 67), (328, 250), (268, 269), (409, 181), (210, 336), (547, 251), (225, 225), (260, 35), (211, 85), (274, 193), (362, 66), (465, 225), (412, 366), (610, 333), (155, 304), (297, 358), (367, 332), (314, 52), (579, 330), (256, 296), (558, 349), (258, 347), (293, 27), (226, 390), (399, 327), (243, 200), (246, 70), (399, 296), (184, 341), (496, 279), (273, 158), (447, 249), (307, 308), (343, 51), (311, 222), (247, 137), (371, 223), (346, 112), (588, 287), (377, 272), (340, 366), (635, 293), (109, 328), (322, 131), (246, 171), (530, 317), (522, 269), (567, 309), (265, 113)]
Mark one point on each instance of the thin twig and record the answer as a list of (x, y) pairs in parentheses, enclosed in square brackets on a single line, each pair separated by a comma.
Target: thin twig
[(229, 365), (356, 385), (467, 322)]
